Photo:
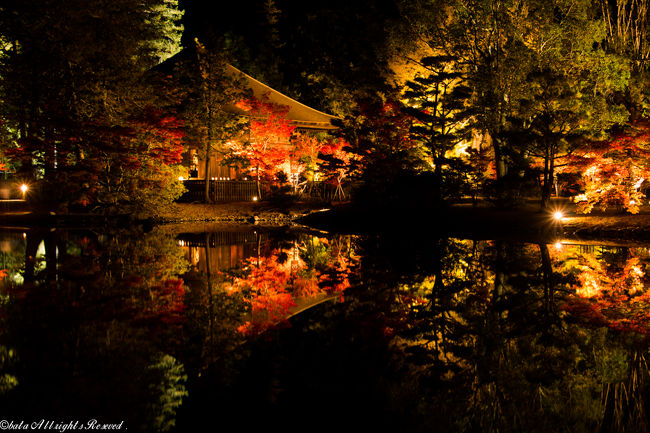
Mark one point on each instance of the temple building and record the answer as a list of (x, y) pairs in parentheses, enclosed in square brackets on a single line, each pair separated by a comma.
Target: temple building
[(303, 117), (222, 177)]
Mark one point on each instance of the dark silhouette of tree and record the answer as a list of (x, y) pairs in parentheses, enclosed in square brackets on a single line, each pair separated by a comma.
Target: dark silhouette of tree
[(76, 99)]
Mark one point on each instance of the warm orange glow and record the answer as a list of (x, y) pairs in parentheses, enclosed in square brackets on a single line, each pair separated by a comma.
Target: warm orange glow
[(558, 215), (23, 188)]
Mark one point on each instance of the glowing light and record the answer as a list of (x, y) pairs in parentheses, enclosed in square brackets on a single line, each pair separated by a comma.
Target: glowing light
[(638, 184), (558, 245), (181, 178), (558, 215), (580, 197), (23, 188), (255, 198)]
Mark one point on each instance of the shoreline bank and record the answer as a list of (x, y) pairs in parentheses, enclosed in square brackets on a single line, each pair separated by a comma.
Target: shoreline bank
[(459, 220)]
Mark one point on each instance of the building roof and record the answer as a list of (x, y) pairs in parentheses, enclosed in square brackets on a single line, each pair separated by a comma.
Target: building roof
[(300, 114)]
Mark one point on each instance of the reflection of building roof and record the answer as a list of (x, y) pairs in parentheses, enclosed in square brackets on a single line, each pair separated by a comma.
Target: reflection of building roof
[(300, 114), (303, 304)]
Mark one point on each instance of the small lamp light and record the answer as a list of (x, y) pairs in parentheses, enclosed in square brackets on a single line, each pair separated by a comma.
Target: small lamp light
[(558, 215), (24, 188), (254, 198)]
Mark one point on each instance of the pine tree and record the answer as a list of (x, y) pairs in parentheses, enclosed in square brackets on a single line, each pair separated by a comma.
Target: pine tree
[(211, 93), (437, 101)]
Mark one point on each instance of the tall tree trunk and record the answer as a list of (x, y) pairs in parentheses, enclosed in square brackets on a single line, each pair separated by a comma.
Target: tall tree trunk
[(437, 182), (549, 176), (207, 175), (546, 192), (33, 239), (499, 160), (50, 256)]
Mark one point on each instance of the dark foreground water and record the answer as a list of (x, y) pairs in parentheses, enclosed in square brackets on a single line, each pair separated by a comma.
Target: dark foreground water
[(244, 330)]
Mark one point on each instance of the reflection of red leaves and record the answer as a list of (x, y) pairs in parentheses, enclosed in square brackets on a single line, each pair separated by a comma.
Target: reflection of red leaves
[(275, 288), (611, 296), (166, 306)]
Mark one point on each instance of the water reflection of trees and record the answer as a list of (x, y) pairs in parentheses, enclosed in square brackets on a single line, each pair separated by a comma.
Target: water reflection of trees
[(434, 334), (93, 321), (610, 291), (272, 281), (486, 330)]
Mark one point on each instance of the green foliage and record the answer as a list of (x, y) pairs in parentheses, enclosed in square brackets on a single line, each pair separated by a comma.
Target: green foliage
[(539, 75), (76, 99), (7, 358), (211, 88), (167, 387), (437, 101)]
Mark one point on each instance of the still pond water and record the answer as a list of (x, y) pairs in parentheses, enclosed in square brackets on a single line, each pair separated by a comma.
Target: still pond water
[(244, 329)]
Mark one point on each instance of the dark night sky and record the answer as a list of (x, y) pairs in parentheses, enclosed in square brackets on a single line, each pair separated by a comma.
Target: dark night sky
[(341, 39)]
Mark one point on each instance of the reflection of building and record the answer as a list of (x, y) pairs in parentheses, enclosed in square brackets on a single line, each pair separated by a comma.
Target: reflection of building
[(275, 280), (306, 303), (225, 249)]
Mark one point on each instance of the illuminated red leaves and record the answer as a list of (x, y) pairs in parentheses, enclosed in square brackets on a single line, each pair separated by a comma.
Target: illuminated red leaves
[(614, 170), (270, 133)]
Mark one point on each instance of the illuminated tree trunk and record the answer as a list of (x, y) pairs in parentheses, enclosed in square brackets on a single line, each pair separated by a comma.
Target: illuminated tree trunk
[(499, 161), (548, 175), (207, 174), (437, 182), (33, 239), (50, 256)]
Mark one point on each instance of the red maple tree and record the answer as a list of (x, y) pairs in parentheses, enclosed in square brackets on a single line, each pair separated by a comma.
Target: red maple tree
[(103, 164), (335, 161), (270, 132), (614, 170)]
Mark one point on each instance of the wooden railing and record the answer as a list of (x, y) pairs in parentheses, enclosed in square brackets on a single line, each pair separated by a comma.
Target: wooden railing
[(221, 190), (246, 190)]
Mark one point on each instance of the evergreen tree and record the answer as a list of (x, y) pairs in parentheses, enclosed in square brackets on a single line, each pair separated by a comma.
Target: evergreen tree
[(438, 103), (75, 97), (212, 89)]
